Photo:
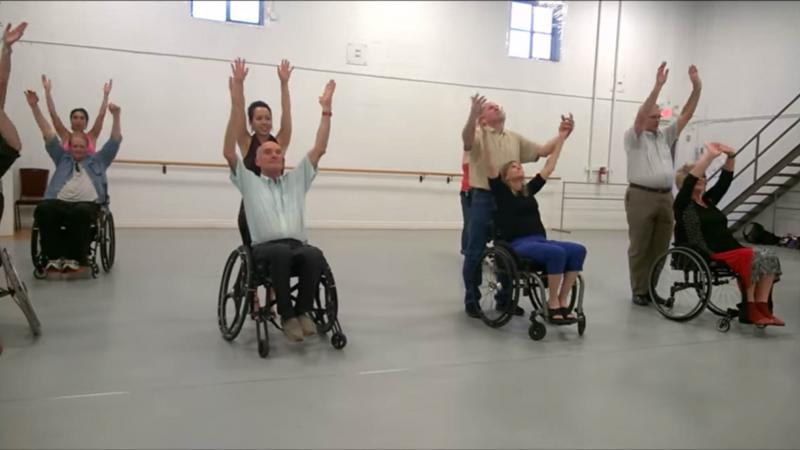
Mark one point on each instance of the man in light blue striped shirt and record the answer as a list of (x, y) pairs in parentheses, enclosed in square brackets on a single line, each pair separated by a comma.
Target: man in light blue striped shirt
[(275, 207)]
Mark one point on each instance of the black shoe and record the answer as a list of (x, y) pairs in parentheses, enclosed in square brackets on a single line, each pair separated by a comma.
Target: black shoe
[(641, 300), (472, 310), (518, 311)]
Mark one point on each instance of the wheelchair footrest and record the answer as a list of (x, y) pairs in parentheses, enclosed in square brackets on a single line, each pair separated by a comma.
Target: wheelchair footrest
[(84, 273)]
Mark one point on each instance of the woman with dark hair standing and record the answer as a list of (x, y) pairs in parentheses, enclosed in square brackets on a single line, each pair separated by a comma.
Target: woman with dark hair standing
[(78, 118)]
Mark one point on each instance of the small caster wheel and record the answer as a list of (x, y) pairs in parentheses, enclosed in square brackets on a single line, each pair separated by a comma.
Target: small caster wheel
[(723, 325), (338, 341), (537, 331), (581, 325), (39, 274), (263, 349)]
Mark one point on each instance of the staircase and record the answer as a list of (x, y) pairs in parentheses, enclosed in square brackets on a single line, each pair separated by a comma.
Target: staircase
[(767, 185)]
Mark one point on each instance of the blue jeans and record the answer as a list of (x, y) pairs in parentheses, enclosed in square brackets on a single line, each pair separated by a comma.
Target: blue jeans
[(557, 256), (479, 217), (465, 202)]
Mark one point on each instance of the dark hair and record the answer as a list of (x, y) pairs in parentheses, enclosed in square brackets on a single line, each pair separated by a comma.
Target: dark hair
[(85, 113), (252, 109)]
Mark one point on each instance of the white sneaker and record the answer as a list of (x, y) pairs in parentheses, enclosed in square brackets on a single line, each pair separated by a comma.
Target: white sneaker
[(54, 265), (307, 325), (71, 265), (292, 330)]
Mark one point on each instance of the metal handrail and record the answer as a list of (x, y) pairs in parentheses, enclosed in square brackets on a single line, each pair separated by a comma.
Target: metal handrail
[(565, 197), (757, 137)]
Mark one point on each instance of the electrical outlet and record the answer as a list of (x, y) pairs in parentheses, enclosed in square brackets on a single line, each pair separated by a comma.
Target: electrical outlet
[(357, 54)]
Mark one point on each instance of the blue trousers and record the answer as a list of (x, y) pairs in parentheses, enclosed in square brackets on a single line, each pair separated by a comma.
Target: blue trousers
[(465, 201), (557, 256), (479, 218)]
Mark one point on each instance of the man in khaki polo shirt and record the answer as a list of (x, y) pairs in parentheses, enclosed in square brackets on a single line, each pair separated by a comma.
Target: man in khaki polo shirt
[(648, 199), (503, 145)]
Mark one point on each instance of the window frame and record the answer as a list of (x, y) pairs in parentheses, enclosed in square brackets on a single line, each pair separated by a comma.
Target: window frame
[(555, 30), (261, 15)]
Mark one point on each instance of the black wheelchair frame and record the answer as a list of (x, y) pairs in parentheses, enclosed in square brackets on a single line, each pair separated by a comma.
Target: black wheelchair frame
[(238, 288), (103, 242), (503, 273)]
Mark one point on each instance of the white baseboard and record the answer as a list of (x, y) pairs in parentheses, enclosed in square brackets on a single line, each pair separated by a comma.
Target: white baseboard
[(318, 224)]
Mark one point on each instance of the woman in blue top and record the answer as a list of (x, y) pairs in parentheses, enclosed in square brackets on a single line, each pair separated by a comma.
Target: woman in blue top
[(518, 221)]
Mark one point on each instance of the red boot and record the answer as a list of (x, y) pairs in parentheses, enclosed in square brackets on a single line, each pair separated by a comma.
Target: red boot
[(754, 315), (763, 308)]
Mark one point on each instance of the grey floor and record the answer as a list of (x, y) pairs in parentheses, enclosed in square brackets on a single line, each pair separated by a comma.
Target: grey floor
[(134, 359)]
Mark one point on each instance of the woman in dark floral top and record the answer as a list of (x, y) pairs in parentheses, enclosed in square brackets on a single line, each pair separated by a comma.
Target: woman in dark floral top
[(699, 224)]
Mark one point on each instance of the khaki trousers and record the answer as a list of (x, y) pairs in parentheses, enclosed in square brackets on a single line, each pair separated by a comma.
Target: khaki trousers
[(650, 226)]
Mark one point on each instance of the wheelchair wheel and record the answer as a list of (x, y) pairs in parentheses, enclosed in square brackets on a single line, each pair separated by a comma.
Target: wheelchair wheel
[(537, 331), (581, 325), (107, 241), (338, 341), (263, 337), (326, 302), (499, 290), (680, 284), (723, 325), (19, 292), (234, 293), (37, 257)]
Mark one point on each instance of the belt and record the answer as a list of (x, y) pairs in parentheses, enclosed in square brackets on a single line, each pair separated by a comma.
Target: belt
[(649, 189)]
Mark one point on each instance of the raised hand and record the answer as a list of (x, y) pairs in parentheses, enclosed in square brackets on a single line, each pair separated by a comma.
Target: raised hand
[(566, 126), (477, 105), (714, 149), (113, 108), (46, 83), (694, 76), (661, 74), (284, 71), (107, 88), (327, 96), (239, 70), (13, 35), (31, 97)]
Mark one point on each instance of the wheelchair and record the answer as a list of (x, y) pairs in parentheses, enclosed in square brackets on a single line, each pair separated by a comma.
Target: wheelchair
[(683, 284), (16, 289), (504, 275), (237, 299), (103, 242)]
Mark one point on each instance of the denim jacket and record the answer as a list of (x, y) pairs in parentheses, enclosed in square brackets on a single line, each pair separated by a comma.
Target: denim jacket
[(96, 166)]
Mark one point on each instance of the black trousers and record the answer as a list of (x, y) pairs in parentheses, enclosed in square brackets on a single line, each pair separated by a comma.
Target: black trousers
[(64, 228), (284, 258)]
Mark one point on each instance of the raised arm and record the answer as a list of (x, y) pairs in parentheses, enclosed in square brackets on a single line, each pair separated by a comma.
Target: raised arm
[(33, 101), (468, 133), (236, 86), (284, 136), (62, 131), (101, 115), (236, 118), (324, 130), (691, 104), (647, 106), (111, 147), (564, 130), (10, 36)]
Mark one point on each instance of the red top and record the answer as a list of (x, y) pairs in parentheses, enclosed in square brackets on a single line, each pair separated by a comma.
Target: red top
[(464, 177)]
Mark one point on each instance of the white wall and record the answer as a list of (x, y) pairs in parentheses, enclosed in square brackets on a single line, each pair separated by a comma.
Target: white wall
[(404, 110)]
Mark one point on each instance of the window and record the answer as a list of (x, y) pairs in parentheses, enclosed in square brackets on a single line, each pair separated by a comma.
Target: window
[(535, 30), (241, 11)]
